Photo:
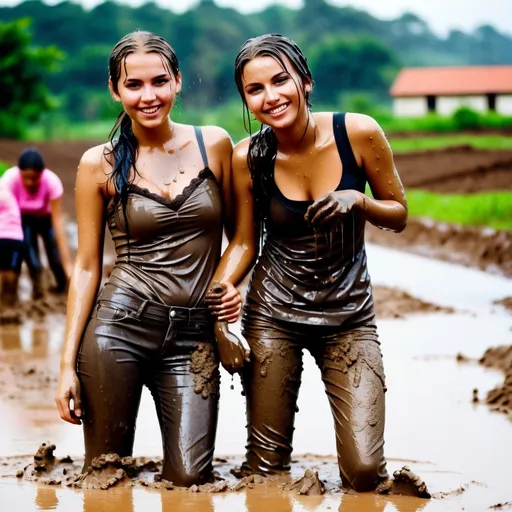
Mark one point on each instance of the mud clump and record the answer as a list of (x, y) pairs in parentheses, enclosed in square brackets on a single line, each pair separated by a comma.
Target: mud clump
[(404, 483), (394, 303), (506, 303), (500, 398), (106, 471), (44, 459), (210, 487), (309, 484), (205, 368), (248, 482)]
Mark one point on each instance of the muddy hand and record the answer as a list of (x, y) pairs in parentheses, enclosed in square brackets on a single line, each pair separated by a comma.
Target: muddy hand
[(69, 389), (331, 207), (231, 350)]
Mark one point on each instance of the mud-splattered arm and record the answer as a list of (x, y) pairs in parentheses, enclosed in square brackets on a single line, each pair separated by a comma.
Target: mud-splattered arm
[(388, 207)]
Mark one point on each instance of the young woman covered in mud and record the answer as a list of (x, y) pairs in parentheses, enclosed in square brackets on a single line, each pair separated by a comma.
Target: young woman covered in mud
[(38, 192), (310, 289), (161, 187)]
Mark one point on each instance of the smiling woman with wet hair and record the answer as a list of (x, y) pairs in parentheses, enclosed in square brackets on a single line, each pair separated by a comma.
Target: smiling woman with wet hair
[(163, 188), (300, 186)]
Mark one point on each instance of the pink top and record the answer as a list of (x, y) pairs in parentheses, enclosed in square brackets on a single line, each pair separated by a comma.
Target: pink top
[(37, 204), (10, 216)]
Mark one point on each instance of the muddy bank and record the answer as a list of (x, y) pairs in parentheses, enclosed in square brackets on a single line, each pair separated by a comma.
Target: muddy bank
[(395, 303), (484, 248), (500, 398), (456, 170)]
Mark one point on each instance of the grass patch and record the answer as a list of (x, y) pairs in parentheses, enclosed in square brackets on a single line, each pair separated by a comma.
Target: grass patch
[(493, 209), (439, 142), (4, 167)]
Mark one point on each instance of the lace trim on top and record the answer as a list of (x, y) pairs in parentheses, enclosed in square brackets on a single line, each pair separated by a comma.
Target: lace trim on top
[(177, 202)]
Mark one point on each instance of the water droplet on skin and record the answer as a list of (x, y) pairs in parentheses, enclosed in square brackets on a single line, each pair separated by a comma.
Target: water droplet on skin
[(378, 157), (389, 182), (371, 138)]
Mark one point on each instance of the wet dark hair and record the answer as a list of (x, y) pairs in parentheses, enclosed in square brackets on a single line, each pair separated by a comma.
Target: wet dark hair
[(263, 145), (125, 146), (31, 159)]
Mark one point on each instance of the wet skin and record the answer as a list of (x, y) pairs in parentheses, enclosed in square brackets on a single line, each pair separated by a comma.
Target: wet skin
[(172, 176)]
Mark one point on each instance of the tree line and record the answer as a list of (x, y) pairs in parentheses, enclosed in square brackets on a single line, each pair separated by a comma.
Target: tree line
[(349, 51)]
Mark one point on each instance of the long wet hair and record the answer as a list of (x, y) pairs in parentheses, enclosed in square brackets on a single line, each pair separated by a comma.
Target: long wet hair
[(123, 154), (263, 144)]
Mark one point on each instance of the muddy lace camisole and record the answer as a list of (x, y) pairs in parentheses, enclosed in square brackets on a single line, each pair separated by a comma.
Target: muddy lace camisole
[(309, 276), (173, 246)]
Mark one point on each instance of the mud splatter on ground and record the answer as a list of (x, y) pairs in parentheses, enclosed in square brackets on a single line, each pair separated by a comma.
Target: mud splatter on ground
[(405, 483), (500, 398), (394, 303), (309, 484)]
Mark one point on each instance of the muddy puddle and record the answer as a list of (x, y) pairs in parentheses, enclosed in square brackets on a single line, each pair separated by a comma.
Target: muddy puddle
[(461, 449)]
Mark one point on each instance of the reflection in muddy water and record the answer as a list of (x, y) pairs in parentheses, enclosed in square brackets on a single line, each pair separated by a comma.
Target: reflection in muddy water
[(461, 449)]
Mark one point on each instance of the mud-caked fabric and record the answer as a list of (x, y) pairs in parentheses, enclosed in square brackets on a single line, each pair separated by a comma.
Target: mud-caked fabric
[(130, 342), (352, 371)]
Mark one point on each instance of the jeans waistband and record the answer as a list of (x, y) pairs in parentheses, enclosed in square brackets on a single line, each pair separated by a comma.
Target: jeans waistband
[(141, 308)]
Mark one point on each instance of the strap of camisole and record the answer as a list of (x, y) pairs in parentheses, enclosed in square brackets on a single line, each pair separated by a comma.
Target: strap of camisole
[(200, 142), (342, 141), (353, 176)]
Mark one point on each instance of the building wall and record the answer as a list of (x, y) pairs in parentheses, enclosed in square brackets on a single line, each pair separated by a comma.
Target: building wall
[(446, 105), (504, 104), (410, 107)]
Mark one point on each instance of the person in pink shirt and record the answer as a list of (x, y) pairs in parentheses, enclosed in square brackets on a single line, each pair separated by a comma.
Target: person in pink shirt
[(11, 247), (38, 192)]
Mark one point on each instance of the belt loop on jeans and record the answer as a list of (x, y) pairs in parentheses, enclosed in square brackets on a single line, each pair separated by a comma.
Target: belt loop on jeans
[(141, 309)]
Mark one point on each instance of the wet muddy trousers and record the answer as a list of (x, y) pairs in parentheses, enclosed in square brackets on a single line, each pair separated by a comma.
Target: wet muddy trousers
[(130, 342), (353, 375)]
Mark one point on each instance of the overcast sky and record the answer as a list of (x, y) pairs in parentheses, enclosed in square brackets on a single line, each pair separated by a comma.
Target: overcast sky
[(441, 15)]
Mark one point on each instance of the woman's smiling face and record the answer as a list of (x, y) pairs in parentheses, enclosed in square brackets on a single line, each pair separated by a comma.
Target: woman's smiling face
[(273, 93), (146, 88)]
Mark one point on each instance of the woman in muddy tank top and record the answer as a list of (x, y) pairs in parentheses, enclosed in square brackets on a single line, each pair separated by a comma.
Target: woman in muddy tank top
[(160, 186), (310, 288)]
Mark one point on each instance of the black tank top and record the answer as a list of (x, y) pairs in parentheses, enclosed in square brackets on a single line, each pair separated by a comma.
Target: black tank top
[(174, 244), (308, 276)]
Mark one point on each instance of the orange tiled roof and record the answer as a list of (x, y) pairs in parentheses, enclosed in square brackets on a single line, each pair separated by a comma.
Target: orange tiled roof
[(453, 81)]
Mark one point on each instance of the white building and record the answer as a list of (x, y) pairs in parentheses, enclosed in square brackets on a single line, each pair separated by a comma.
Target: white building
[(417, 91)]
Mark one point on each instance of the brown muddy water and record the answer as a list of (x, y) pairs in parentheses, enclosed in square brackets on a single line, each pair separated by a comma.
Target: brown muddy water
[(461, 449)]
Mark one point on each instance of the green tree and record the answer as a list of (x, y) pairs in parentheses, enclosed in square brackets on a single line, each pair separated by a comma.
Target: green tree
[(24, 95)]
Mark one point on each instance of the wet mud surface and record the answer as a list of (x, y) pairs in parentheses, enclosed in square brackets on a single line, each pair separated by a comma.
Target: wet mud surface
[(483, 248)]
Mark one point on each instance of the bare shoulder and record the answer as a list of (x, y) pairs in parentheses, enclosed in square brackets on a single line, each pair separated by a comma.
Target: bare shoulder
[(241, 150), (362, 127), (95, 161), (217, 138)]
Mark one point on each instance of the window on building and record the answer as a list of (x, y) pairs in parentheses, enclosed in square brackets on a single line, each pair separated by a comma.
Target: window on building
[(431, 103), (491, 102)]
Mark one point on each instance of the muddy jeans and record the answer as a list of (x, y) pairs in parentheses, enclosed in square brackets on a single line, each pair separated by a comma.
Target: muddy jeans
[(130, 342), (353, 375)]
